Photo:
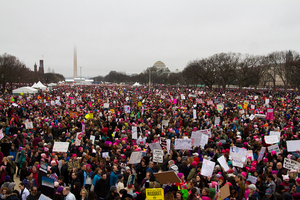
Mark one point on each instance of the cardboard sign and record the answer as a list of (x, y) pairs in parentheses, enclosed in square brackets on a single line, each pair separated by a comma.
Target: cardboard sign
[(154, 194), (165, 177), (73, 164), (224, 191), (60, 146)]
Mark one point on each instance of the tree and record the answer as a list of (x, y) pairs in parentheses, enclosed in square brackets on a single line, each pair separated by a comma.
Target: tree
[(226, 65)]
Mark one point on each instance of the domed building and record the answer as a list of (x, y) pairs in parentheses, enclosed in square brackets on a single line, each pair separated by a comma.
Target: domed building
[(161, 67)]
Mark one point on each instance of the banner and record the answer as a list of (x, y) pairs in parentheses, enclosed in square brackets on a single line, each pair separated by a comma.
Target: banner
[(271, 139), (277, 133), (135, 157), (28, 125), (293, 145), (207, 168), (275, 148)]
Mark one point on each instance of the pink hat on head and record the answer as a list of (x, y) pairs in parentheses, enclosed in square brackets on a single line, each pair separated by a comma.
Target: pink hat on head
[(194, 164), (273, 152), (245, 144), (265, 160), (244, 174)]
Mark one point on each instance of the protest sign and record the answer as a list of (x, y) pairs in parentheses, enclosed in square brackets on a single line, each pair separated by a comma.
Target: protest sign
[(241, 151), (105, 154), (158, 156), (196, 138), (210, 102), (1, 134), (271, 139), (275, 148), (154, 146), (154, 194), (127, 109), (291, 164), (270, 114), (217, 121), (131, 180), (168, 145), (293, 145), (60, 146), (194, 114), (252, 179), (73, 164), (28, 125), (277, 133), (252, 117), (134, 132), (135, 157), (207, 168), (236, 159), (223, 163), (165, 123), (106, 105), (220, 107), (47, 187), (182, 96), (165, 177), (250, 154), (261, 153), (44, 197), (204, 140), (93, 137), (78, 139), (185, 144), (224, 191), (47, 182), (206, 132)]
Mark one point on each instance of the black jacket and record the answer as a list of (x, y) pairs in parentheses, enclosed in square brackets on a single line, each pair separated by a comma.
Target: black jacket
[(36, 197), (73, 183), (102, 188), (65, 173), (80, 175), (111, 196)]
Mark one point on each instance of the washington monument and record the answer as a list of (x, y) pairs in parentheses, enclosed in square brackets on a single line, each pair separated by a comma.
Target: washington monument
[(75, 63)]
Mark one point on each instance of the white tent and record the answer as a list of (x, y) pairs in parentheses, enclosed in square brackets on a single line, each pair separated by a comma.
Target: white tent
[(39, 85), (25, 90), (136, 84)]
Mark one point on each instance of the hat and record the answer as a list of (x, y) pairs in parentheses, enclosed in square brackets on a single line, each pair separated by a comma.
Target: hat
[(268, 192), (7, 179), (230, 171), (265, 160), (285, 177), (112, 188), (252, 187), (194, 164), (59, 189), (180, 175), (195, 154), (274, 172), (298, 180), (244, 174), (127, 168), (296, 196)]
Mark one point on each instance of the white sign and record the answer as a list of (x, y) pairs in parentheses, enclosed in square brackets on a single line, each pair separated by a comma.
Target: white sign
[(275, 148), (207, 168), (1, 134), (92, 137), (293, 145), (158, 156), (204, 140), (185, 144), (251, 117), (154, 146), (127, 109), (105, 154), (252, 179), (168, 145), (44, 197), (223, 163), (291, 164), (182, 96), (267, 101), (241, 151), (217, 121), (196, 138), (194, 114), (236, 159), (78, 139), (106, 105), (271, 139), (134, 132), (206, 132), (60, 146), (28, 125), (250, 154), (135, 157), (277, 133)]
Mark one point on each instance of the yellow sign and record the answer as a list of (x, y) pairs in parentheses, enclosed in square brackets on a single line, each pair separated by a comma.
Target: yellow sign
[(154, 194), (139, 104), (246, 104), (89, 116)]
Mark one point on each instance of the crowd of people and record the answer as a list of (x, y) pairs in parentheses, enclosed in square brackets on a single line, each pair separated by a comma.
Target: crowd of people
[(31, 124)]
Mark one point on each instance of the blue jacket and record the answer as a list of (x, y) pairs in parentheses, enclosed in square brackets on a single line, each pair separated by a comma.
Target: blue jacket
[(113, 179)]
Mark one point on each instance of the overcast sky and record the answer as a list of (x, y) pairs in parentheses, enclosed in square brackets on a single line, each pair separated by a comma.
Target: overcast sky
[(131, 35)]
